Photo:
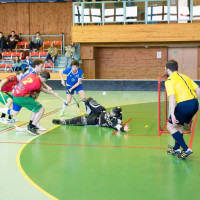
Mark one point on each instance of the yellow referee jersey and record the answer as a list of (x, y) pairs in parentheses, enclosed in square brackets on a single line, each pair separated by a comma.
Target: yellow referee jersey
[(181, 86)]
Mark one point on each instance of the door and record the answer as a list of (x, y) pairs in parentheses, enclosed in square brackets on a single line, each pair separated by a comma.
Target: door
[(187, 60)]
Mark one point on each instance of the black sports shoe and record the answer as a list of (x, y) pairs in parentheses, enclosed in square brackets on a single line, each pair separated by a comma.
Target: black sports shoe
[(185, 154), (56, 121), (32, 130)]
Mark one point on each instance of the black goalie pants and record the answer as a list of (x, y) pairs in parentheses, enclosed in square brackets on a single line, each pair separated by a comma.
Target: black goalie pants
[(78, 121)]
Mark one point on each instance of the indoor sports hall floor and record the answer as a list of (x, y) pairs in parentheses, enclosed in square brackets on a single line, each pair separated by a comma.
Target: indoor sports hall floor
[(95, 163)]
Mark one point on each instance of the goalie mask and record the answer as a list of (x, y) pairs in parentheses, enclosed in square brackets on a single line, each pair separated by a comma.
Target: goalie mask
[(117, 112)]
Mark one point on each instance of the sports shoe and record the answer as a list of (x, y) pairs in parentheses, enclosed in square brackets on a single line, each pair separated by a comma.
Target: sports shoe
[(11, 120), (40, 128), (57, 121), (32, 130), (185, 154), (173, 152), (3, 120)]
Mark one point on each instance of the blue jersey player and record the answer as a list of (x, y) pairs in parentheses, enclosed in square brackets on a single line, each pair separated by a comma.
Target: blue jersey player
[(73, 82)]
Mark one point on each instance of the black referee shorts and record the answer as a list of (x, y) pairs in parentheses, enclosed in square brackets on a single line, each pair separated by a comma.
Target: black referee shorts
[(185, 111)]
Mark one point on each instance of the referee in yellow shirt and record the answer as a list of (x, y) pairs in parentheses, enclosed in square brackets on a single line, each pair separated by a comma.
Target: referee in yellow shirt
[(184, 92)]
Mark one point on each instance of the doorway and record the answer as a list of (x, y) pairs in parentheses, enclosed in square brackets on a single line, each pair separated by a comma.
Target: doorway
[(187, 59)]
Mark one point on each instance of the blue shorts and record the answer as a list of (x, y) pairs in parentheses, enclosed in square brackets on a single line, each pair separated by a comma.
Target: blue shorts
[(185, 111), (77, 89), (16, 107)]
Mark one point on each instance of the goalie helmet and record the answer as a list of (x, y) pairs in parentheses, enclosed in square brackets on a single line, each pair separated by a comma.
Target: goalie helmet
[(117, 111)]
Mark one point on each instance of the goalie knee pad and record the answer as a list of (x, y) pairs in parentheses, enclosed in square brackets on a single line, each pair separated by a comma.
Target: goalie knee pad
[(93, 107)]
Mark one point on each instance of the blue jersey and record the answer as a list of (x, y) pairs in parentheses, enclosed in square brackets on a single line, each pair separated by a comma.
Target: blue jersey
[(29, 71), (72, 79)]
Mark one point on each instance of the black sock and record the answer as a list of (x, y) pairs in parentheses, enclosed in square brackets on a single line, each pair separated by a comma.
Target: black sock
[(179, 138), (9, 117), (32, 126), (3, 115), (30, 122)]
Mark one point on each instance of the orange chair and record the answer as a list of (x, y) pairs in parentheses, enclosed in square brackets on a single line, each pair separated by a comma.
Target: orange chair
[(9, 67), (57, 42), (16, 54), (7, 55), (35, 54), (49, 67), (43, 54), (2, 67), (47, 43)]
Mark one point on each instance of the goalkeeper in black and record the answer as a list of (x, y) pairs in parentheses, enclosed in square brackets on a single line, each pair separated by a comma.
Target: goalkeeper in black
[(97, 115)]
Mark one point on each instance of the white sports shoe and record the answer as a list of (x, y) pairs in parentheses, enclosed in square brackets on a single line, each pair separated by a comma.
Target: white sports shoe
[(40, 128), (3, 120), (11, 120)]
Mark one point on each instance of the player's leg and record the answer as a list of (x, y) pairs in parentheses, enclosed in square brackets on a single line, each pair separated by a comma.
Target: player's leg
[(184, 112), (190, 108), (68, 100), (37, 125), (93, 107), (82, 95), (78, 121), (34, 106)]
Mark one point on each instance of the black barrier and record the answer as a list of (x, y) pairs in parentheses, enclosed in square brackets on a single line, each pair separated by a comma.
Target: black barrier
[(113, 85)]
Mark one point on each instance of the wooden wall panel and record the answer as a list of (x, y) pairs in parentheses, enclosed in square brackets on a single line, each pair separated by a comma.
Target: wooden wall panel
[(51, 18), (130, 63), (14, 16), (136, 33), (87, 52), (88, 66), (28, 18), (198, 68)]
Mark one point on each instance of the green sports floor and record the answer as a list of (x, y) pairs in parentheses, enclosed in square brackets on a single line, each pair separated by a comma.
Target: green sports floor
[(95, 163)]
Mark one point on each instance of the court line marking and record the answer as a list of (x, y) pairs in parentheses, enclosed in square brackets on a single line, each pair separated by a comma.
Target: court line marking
[(80, 145), (193, 131), (23, 123), (24, 173)]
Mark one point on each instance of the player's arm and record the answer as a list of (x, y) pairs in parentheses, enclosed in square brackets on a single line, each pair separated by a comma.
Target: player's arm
[(49, 91), (3, 83), (61, 77), (197, 90), (46, 86), (172, 105), (76, 85)]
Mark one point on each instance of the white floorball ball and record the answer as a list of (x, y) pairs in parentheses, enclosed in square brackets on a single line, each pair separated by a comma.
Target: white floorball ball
[(104, 93)]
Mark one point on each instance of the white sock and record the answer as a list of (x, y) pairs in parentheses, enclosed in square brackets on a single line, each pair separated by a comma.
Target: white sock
[(64, 106), (4, 110)]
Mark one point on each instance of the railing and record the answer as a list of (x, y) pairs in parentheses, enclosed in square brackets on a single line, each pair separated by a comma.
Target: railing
[(137, 11), (59, 40)]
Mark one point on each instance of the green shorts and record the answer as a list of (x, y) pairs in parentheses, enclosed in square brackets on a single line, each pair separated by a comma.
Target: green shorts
[(5, 97), (28, 102)]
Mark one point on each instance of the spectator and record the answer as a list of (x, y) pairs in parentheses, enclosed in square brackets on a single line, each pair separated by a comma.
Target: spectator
[(77, 51), (36, 43), (69, 52), (52, 53), (2, 42), (12, 40), (17, 66), (27, 63)]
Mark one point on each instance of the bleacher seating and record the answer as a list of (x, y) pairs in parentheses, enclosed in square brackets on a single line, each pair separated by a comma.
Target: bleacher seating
[(16, 54), (7, 55), (49, 67), (34, 55), (6, 63)]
